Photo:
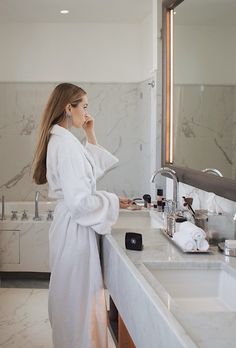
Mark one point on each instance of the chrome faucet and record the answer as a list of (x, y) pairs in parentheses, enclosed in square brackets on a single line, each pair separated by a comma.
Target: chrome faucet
[(36, 201), (169, 172), (3, 209), (213, 171)]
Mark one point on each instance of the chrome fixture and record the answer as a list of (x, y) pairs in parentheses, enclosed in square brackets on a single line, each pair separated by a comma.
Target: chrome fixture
[(3, 209), (24, 215), (14, 216), (169, 172), (152, 83), (50, 216), (213, 171), (169, 216), (36, 201)]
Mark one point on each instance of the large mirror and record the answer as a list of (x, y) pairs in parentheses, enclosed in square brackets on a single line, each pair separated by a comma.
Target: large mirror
[(199, 90)]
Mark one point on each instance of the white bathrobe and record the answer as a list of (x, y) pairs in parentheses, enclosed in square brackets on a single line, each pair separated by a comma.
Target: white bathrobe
[(77, 309)]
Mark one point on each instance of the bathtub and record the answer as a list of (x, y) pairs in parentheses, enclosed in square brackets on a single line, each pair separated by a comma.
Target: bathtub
[(24, 243)]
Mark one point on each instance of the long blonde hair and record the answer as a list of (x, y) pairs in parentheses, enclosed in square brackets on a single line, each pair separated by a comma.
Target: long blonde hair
[(54, 113)]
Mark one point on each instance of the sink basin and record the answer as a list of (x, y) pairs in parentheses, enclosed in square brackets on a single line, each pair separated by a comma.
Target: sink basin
[(203, 287), (138, 219)]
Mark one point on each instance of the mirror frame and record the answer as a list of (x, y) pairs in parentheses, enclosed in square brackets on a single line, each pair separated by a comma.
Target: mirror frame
[(223, 187)]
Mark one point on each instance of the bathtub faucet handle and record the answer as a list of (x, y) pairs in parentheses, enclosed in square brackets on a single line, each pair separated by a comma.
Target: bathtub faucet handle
[(24, 215), (50, 215), (14, 216)]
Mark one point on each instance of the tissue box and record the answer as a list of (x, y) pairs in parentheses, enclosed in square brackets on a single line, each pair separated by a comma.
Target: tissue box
[(221, 227)]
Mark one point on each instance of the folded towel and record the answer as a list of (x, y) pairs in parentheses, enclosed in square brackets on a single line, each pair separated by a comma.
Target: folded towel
[(203, 245), (192, 233), (185, 241), (191, 229)]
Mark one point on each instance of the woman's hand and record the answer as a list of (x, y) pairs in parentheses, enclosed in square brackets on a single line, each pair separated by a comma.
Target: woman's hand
[(125, 202), (88, 127)]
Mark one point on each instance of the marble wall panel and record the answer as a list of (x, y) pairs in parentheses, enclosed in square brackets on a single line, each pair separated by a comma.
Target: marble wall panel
[(122, 123), (9, 247)]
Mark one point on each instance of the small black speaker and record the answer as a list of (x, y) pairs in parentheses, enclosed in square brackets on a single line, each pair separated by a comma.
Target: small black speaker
[(133, 241)]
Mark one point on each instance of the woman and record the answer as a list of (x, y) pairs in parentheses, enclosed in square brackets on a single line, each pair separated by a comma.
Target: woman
[(77, 309)]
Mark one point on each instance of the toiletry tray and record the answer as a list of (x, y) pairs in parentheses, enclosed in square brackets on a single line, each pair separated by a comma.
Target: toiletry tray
[(182, 249)]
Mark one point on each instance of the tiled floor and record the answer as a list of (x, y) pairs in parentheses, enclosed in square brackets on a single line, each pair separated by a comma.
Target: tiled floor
[(24, 319)]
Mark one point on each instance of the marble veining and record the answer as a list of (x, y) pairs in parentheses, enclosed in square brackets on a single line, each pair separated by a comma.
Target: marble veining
[(152, 317), (23, 319), (205, 124), (24, 244), (122, 123)]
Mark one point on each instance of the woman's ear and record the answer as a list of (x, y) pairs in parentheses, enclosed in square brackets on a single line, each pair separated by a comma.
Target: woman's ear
[(68, 108)]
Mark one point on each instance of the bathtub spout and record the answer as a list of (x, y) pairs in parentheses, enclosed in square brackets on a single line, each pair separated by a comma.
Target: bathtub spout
[(36, 202)]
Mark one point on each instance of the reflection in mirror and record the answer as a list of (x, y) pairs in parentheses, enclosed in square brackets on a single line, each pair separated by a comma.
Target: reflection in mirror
[(199, 93), (204, 92)]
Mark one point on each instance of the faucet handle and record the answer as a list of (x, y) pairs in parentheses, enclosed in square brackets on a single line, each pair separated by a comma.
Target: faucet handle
[(24, 215), (50, 215), (14, 216)]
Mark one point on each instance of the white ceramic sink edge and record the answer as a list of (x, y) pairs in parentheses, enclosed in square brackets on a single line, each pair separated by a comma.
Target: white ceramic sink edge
[(194, 286)]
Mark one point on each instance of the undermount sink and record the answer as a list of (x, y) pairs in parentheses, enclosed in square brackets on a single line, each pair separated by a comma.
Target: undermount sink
[(138, 219), (203, 287)]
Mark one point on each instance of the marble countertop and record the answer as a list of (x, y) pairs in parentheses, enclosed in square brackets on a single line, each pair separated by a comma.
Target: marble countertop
[(152, 319)]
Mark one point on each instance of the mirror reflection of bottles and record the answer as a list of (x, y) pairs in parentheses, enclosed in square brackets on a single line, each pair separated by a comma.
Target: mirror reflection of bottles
[(147, 201), (159, 195)]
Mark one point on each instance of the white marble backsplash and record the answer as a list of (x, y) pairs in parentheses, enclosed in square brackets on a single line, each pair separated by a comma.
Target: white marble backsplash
[(206, 200), (122, 123), (220, 210)]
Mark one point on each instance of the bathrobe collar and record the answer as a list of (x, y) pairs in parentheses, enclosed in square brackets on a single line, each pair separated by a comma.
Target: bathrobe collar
[(61, 131), (58, 130)]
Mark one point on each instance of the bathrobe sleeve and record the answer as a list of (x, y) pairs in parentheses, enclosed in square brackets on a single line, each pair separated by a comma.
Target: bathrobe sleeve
[(98, 210), (103, 159)]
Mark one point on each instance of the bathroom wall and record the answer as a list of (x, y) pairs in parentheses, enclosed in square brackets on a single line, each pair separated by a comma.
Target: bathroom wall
[(91, 52), (112, 61), (122, 122)]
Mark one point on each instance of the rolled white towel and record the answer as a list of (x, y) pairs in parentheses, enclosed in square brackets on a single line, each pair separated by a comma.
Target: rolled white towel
[(196, 233), (185, 241), (189, 228), (203, 245)]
